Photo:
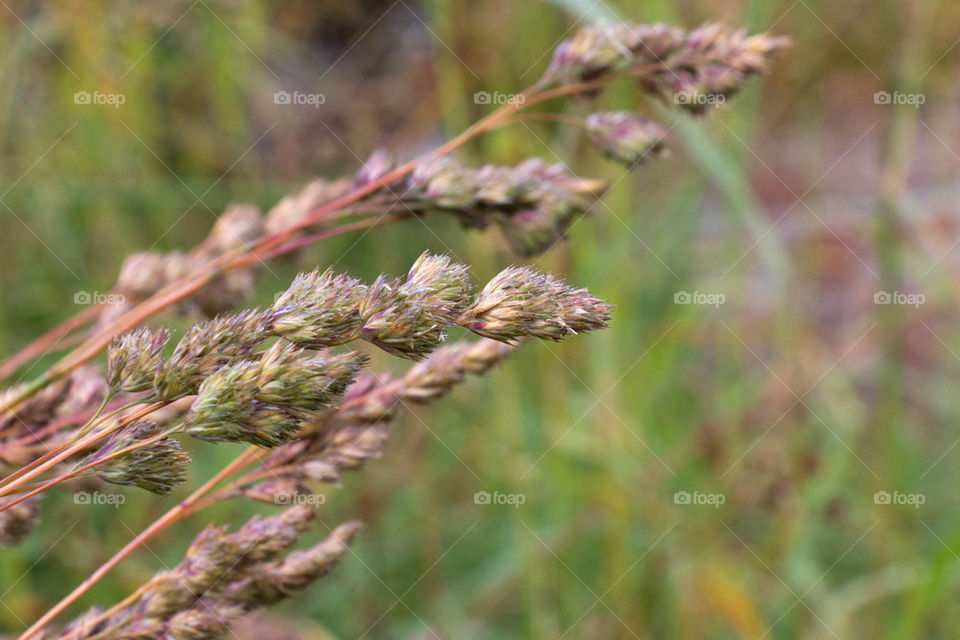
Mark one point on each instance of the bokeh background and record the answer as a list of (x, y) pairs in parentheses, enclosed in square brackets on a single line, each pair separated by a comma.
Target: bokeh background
[(796, 400)]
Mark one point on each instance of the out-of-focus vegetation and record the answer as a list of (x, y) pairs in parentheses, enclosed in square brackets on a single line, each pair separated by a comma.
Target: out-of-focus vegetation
[(797, 399)]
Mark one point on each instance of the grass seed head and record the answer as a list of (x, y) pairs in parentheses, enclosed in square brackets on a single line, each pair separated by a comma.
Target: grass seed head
[(158, 467), (409, 318), (693, 68), (319, 310), (237, 226), (626, 136), (207, 347), (207, 621), (379, 164), (18, 521), (520, 302), (273, 582), (133, 359), (263, 401), (436, 376), (533, 202)]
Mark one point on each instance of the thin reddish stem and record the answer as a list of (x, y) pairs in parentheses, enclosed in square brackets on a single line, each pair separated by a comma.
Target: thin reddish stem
[(81, 417)]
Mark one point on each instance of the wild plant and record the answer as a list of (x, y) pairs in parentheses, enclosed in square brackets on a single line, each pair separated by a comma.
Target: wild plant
[(272, 378)]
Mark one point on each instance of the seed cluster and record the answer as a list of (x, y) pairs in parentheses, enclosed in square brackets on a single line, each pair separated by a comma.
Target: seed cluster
[(158, 467), (249, 389), (532, 203), (626, 136), (18, 521), (692, 68), (264, 401), (223, 576), (347, 437)]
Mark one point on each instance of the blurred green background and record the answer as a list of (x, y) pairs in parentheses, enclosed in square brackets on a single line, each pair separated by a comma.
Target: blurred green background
[(796, 400)]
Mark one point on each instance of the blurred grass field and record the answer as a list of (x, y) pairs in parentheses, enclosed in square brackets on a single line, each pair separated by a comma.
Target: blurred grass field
[(797, 399)]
